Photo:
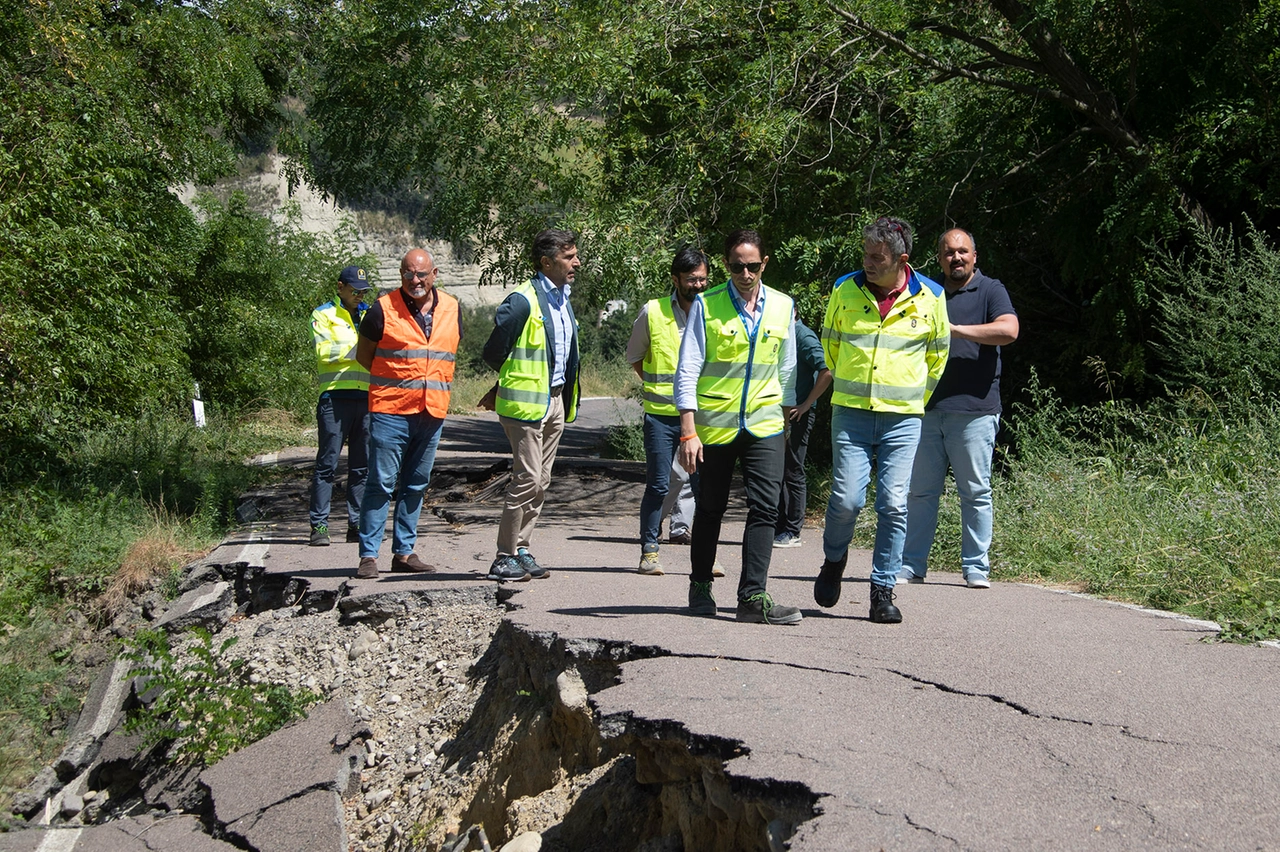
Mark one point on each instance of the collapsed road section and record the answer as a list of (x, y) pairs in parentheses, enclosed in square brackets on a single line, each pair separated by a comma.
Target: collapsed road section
[(437, 715)]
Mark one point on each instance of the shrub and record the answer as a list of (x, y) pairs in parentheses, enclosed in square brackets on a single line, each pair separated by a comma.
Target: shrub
[(207, 706)]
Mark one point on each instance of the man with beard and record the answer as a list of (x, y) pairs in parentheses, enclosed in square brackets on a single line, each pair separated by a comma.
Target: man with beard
[(653, 352), (962, 417)]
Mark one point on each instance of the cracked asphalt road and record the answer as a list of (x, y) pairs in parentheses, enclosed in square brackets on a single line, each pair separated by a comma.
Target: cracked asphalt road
[(1011, 718)]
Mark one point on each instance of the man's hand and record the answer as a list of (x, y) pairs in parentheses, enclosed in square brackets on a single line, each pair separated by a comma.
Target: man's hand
[(794, 414), (489, 402), (690, 454)]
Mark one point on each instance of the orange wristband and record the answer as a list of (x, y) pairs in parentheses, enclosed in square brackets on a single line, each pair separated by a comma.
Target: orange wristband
[(684, 438)]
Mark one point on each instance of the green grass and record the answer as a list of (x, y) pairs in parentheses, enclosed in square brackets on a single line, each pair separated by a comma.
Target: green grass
[(1174, 506), (131, 502)]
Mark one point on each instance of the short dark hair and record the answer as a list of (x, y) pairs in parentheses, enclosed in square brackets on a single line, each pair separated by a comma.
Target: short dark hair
[(891, 232), (550, 242), (743, 237), (688, 259)]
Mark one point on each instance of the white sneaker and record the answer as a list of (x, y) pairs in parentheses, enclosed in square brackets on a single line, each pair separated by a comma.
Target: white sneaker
[(905, 578), (717, 570), (976, 581)]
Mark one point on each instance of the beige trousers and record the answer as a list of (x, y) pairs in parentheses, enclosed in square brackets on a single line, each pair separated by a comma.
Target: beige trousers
[(533, 451)]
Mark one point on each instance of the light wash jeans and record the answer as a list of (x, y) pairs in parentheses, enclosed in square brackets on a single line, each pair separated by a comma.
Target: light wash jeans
[(858, 436), (401, 447), (966, 442)]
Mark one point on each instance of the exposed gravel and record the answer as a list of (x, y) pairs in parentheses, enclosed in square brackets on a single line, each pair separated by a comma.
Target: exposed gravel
[(406, 678)]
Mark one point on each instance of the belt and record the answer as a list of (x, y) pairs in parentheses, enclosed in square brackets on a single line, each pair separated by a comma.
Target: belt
[(555, 389)]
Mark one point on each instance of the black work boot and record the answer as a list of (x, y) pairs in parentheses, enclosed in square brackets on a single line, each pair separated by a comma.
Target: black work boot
[(882, 609), (826, 589)]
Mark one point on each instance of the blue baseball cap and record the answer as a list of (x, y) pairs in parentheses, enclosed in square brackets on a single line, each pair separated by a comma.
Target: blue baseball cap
[(356, 277)]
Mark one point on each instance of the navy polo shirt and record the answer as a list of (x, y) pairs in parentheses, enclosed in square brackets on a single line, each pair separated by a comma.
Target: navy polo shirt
[(971, 381)]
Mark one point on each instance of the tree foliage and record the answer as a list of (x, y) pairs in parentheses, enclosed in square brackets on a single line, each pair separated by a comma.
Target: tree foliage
[(1069, 135)]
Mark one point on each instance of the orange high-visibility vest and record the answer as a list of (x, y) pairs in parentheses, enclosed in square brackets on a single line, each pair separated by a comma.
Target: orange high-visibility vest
[(410, 373)]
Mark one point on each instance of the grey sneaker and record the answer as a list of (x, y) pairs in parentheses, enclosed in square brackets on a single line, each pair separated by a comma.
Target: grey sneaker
[(786, 539), (529, 564), (320, 535), (650, 564), (760, 609), (700, 600), (908, 577), (506, 568), (977, 581)]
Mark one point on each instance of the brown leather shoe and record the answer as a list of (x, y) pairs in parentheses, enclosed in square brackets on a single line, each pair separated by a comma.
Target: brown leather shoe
[(409, 563), (368, 569)]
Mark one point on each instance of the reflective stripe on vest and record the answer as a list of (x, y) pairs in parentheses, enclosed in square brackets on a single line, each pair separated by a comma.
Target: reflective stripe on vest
[(335, 336), (740, 387), (890, 364), (412, 374), (658, 371), (524, 382)]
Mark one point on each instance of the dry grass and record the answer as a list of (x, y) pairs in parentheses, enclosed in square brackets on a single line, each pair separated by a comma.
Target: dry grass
[(157, 553)]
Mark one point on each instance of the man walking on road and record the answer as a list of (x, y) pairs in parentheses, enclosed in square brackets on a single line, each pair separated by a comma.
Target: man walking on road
[(342, 413), (812, 380), (653, 352), (534, 348), (962, 417), (408, 341), (885, 335), (736, 373)]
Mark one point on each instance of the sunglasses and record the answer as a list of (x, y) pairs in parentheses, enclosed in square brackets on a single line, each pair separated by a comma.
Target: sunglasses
[(739, 268)]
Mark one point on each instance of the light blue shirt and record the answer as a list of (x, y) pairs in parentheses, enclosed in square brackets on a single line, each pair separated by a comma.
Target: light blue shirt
[(558, 301), (693, 351)]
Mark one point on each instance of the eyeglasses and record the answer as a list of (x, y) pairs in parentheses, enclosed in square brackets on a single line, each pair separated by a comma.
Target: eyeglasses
[(702, 280), (739, 268), (414, 276)]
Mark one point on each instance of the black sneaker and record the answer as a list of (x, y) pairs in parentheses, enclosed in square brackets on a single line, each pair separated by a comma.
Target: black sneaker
[(320, 535), (530, 565), (882, 609), (353, 534), (826, 589), (700, 600), (506, 568), (760, 609)]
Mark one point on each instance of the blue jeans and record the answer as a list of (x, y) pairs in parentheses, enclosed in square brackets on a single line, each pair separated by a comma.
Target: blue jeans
[(661, 440), (966, 442), (340, 419), (401, 447), (858, 435)]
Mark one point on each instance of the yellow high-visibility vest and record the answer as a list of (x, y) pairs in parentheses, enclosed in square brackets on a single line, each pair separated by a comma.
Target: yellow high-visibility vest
[(891, 364), (524, 382), (740, 386), (334, 332), (658, 370)]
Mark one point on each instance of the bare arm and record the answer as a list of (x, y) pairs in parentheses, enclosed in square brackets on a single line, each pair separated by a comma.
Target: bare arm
[(819, 388), (1001, 331)]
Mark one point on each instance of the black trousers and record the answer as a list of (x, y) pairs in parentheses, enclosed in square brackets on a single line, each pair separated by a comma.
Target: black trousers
[(795, 491), (761, 461)]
